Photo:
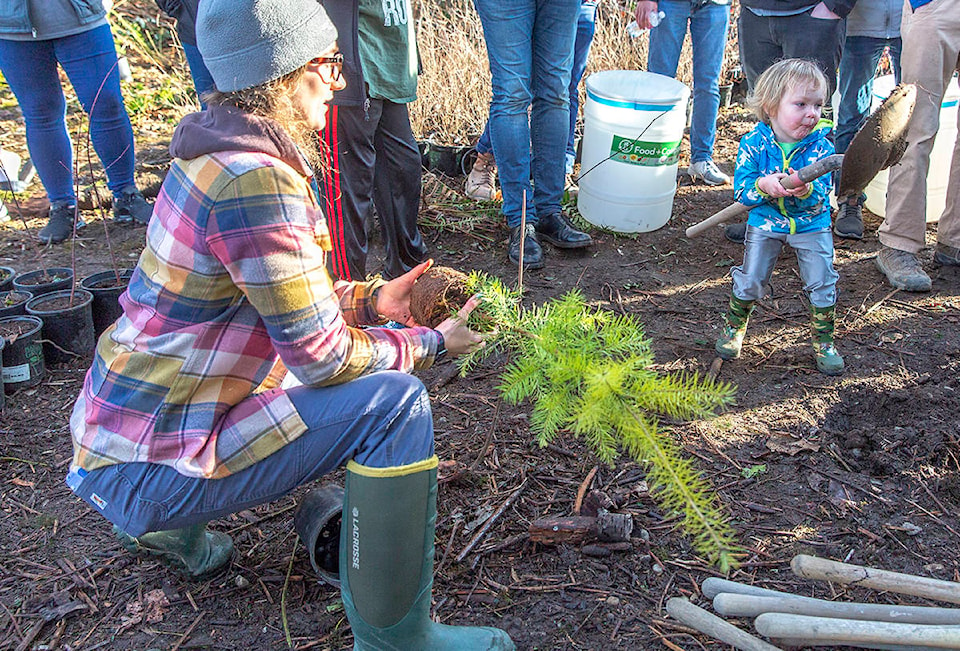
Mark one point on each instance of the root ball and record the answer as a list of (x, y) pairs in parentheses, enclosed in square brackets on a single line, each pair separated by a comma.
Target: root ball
[(437, 294)]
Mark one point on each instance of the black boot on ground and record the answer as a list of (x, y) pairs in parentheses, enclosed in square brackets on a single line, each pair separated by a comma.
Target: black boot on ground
[(558, 230), (532, 253)]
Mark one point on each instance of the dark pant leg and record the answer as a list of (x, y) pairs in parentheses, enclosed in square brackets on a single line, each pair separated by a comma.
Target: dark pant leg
[(347, 187), (817, 39), (396, 189), (759, 47)]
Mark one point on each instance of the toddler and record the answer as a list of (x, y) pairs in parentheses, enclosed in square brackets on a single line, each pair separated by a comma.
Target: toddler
[(788, 98)]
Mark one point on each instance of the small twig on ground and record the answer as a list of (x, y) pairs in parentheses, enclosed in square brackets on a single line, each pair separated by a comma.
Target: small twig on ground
[(583, 489), (186, 633), (283, 596), (489, 523)]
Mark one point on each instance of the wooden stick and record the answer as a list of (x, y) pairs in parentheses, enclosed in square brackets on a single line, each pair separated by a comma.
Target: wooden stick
[(812, 567), (852, 632), (523, 237), (695, 617), (493, 518), (740, 605), (713, 586), (798, 178), (803, 642)]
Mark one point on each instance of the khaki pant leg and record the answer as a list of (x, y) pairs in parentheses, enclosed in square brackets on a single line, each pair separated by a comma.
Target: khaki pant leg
[(931, 43)]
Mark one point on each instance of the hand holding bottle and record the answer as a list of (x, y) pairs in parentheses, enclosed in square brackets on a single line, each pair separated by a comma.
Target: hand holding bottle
[(646, 17)]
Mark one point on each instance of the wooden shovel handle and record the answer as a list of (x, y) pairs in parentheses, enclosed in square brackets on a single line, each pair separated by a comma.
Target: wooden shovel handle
[(743, 605), (695, 617), (852, 632), (812, 567), (803, 175)]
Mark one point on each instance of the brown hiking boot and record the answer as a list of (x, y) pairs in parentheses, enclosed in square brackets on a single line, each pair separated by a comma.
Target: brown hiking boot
[(482, 181), (903, 270)]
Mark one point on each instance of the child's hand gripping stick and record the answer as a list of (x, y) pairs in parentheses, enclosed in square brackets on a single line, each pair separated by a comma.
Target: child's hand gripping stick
[(803, 175)]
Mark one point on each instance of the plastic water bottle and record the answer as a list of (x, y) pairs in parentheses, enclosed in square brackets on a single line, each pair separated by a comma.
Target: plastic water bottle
[(634, 30)]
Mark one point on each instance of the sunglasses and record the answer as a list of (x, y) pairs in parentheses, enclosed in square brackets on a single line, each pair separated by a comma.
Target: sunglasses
[(333, 67)]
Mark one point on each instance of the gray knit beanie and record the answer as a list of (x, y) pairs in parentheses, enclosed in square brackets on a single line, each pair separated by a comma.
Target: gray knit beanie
[(245, 43)]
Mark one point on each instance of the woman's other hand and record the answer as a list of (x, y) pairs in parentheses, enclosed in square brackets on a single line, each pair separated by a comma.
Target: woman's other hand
[(393, 299), (457, 337)]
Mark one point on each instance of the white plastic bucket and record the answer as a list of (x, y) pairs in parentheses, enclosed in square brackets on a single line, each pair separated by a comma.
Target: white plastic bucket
[(940, 156), (633, 125)]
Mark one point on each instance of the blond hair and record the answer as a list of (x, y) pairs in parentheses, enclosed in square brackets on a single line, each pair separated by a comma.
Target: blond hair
[(274, 100), (773, 83)]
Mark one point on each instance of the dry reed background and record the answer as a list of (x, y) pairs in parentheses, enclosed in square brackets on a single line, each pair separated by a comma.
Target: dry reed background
[(454, 89)]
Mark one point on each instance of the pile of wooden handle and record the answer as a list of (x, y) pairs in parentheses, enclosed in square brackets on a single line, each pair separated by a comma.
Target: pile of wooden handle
[(793, 621)]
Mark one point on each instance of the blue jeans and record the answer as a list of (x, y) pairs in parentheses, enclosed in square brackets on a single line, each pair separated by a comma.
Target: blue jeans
[(708, 34), (90, 61), (202, 79), (530, 47), (379, 420), (586, 26), (858, 66)]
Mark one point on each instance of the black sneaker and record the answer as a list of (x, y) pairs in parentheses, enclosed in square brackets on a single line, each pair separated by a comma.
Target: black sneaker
[(532, 253), (736, 232), (60, 224), (849, 222), (558, 230), (130, 206)]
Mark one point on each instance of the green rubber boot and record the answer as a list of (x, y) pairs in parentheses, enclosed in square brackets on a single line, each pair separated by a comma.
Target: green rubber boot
[(822, 319), (730, 340), (386, 563), (191, 551)]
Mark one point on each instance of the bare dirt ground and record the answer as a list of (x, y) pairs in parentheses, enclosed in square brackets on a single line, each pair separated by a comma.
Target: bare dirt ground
[(861, 468)]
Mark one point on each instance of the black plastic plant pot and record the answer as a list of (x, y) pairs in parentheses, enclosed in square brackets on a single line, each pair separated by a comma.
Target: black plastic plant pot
[(6, 278), (445, 159), (106, 292), (44, 281), (13, 303), (23, 363), (67, 324)]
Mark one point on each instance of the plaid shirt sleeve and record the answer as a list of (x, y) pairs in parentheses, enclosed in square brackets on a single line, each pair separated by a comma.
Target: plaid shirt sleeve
[(263, 227)]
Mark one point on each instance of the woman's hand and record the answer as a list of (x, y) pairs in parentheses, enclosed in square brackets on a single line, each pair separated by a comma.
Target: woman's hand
[(457, 337), (393, 299)]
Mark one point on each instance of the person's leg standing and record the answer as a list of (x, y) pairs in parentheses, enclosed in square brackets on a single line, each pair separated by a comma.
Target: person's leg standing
[(347, 187), (666, 39), (759, 44), (554, 31), (586, 27), (708, 33), (858, 64), (396, 190), (202, 79), (929, 59), (817, 39), (30, 68), (948, 229), (507, 30), (90, 61)]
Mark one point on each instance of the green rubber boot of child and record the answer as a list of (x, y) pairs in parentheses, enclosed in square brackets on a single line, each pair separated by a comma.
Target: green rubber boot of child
[(730, 340), (829, 361)]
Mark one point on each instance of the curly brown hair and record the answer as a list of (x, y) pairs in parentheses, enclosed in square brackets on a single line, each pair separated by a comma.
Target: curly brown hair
[(274, 100)]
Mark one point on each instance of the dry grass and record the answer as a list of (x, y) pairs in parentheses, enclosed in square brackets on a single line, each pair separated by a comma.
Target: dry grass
[(454, 89)]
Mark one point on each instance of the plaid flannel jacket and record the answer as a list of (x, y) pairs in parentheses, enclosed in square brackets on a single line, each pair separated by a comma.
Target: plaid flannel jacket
[(231, 287)]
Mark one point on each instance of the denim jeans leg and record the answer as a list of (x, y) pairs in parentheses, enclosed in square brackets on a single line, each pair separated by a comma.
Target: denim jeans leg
[(858, 64), (30, 68), (666, 39), (484, 146), (708, 32), (507, 30), (554, 32), (90, 61), (202, 79), (380, 420), (586, 26)]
